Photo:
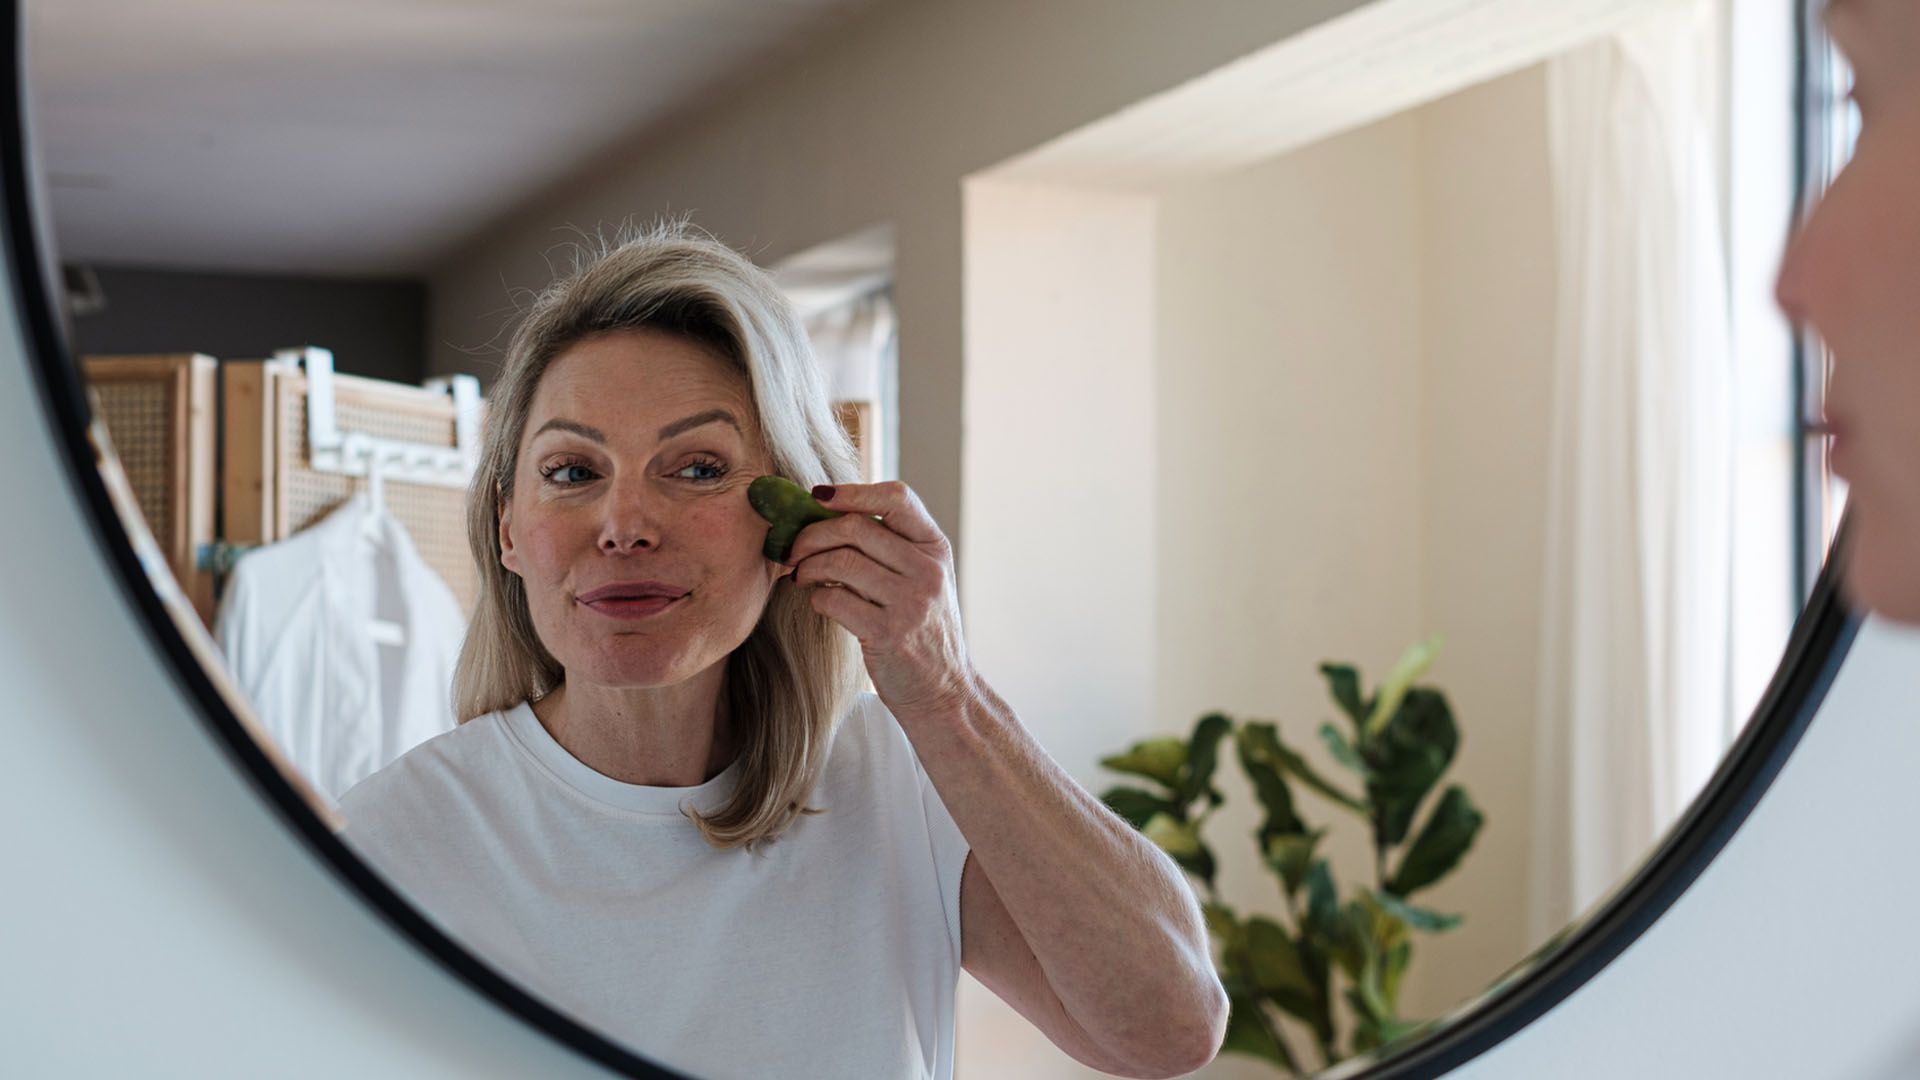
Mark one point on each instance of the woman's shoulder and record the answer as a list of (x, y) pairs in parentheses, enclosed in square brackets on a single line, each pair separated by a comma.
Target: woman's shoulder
[(870, 726), (431, 771)]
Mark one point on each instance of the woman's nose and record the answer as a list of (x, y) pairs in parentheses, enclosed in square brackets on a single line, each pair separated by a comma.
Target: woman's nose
[(1801, 267), (631, 519), (1787, 288)]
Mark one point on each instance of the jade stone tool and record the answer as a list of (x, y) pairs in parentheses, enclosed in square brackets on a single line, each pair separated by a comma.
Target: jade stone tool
[(789, 507)]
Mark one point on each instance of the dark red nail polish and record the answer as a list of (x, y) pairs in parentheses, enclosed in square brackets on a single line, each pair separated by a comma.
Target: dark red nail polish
[(823, 492)]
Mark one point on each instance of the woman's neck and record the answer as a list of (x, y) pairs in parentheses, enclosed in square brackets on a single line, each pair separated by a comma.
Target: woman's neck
[(664, 736)]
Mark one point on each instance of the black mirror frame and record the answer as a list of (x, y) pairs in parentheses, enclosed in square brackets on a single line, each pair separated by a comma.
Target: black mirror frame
[(1821, 638)]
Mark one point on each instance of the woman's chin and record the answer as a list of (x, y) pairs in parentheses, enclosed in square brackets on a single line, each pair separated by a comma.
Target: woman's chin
[(1882, 573), (629, 672)]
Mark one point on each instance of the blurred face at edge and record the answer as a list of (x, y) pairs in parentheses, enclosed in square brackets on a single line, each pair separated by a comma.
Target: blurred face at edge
[(1853, 276)]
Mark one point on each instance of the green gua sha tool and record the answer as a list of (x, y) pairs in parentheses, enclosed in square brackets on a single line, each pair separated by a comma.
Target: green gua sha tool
[(789, 507)]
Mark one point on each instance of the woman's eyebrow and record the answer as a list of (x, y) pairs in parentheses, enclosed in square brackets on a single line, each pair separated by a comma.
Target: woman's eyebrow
[(684, 424), (696, 420), (582, 430)]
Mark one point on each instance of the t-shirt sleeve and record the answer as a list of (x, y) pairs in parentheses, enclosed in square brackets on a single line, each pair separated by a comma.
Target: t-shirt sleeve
[(950, 849)]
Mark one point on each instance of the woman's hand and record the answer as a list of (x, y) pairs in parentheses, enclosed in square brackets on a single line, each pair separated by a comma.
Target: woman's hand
[(891, 583)]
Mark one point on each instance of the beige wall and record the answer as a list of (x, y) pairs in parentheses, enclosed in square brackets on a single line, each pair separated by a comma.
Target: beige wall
[(1290, 413), (1342, 452), (1491, 287), (880, 123), (1354, 354)]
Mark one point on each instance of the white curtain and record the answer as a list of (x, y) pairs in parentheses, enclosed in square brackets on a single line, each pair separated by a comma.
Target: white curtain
[(1633, 679)]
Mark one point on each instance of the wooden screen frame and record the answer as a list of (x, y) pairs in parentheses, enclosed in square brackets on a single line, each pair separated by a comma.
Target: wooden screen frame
[(189, 380)]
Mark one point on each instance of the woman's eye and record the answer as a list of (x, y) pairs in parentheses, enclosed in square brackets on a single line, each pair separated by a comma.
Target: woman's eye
[(562, 471), (715, 471)]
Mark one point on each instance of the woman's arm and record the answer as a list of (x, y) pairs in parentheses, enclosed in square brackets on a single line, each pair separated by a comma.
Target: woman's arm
[(1117, 933), (1109, 917)]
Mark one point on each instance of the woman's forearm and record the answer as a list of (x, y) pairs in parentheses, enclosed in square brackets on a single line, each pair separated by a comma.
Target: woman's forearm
[(1109, 916)]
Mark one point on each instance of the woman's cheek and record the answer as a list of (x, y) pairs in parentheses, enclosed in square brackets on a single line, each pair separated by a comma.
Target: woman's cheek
[(544, 545)]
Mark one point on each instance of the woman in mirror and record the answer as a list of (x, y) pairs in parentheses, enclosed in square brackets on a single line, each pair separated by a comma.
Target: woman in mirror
[(1853, 274), (669, 809)]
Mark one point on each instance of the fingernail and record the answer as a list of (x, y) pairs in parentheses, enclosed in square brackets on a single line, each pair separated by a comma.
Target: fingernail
[(823, 492)]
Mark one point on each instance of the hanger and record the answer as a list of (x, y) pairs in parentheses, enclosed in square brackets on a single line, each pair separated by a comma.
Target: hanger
[(382, 631), (376, 496)]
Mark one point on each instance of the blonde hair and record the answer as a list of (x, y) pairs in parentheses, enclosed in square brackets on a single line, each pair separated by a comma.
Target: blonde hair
[(798, 670)]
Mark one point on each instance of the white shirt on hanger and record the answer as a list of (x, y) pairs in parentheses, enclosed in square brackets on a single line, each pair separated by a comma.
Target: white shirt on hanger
[(307, 629)]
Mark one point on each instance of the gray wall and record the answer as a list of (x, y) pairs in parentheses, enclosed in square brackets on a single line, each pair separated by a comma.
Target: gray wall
[(375, 328)]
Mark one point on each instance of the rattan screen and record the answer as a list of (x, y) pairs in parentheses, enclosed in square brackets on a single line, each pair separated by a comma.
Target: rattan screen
[(158, 411), (289, 496)]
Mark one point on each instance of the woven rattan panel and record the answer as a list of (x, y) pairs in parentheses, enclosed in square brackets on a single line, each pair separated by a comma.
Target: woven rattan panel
[(435, 517), (139, 417)]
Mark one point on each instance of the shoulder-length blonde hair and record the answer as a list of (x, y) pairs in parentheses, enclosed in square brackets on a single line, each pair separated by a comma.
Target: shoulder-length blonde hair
[(797, 672)]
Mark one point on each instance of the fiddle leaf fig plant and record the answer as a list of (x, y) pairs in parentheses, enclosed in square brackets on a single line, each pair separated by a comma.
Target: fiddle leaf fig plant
[(1327, 951)]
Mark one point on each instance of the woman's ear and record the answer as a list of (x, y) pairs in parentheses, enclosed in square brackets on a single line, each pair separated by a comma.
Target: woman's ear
[(508, 557)]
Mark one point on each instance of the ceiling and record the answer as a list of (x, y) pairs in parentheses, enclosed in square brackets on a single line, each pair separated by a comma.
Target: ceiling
[(357, 137)]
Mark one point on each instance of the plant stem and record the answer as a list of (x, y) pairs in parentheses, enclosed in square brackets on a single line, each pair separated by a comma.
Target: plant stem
[(1326, 1050), (1279, 1035)]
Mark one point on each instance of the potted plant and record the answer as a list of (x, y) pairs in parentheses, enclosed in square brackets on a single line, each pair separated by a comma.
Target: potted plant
[(1397, 742)]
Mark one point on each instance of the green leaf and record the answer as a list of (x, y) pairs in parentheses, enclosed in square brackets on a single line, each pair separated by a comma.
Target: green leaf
[(1343, 683), (1275, 961), (1156, 759), (1343, 752), (1175, 837), (1253, 741), (1323, 908), (1374, 958), (1370, 1034), (1221, 922), (1181, 839), (1200, 864), (1408, 758), (1266, 740), (1135, 805), (1250, 1032), (1431, 922), (1413, 664), (1292, 856), (1444, 840), (1202, 751), (1393, 969)]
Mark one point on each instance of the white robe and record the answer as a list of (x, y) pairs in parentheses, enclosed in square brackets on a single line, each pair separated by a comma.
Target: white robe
[(296, 624)]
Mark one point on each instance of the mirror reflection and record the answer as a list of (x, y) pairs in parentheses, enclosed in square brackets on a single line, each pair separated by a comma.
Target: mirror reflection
[(1310, 507)]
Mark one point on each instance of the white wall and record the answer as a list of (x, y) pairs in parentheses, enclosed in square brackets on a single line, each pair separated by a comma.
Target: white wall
[(1058, 578)]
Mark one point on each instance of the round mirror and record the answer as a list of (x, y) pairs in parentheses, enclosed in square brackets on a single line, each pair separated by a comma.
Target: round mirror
[(1327, 536)]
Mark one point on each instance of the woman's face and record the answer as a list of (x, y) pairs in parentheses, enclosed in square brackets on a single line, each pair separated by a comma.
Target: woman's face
[(1853, 274), (629, 471)]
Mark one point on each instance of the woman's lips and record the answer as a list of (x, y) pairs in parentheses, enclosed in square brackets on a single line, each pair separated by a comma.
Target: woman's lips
[(1839, 444), (634, 608)]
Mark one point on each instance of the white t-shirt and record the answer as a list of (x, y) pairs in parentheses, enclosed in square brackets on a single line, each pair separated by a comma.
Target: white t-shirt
[(832, 951)]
